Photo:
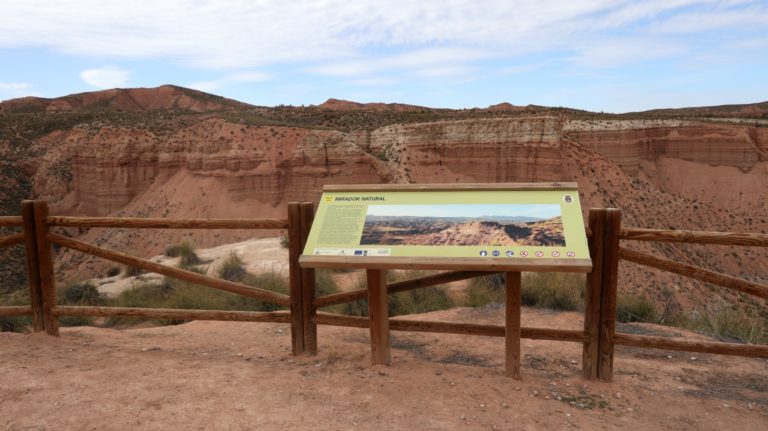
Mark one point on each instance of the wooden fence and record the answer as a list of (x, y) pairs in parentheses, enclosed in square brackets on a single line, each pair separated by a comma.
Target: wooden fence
[(598, 336)]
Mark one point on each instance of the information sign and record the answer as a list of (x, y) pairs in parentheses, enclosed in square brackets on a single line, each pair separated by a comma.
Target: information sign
[(494, 223)]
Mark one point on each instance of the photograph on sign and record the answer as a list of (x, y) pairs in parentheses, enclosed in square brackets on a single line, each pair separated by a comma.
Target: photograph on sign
[(460, 225)]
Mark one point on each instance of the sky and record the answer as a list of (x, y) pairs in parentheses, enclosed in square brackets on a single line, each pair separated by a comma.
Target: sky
[(599, 55), (542, 211)]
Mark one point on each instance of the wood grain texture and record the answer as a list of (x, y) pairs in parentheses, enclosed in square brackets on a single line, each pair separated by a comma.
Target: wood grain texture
[(409, 325), (651, 342), (307, 215), (162, 223), (695, 272), (592, 294), (170, 313), (192, 277), (451, 187), (378, 316), (294, 279), (608, 293), (11, 240), (512, 325), (696, 237), (16, 310), (11, 221), (45, 268), (401, 286), (33, 265), (448, 264)]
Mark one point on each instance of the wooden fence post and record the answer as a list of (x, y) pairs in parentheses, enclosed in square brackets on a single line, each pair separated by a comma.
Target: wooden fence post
[(378, 316), (294, 275), (592, 295), (33, 271), (307, 215), (512, 325), (609, 293), (45, 262)]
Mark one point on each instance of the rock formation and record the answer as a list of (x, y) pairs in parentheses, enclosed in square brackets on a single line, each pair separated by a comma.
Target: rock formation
[(171, 152)]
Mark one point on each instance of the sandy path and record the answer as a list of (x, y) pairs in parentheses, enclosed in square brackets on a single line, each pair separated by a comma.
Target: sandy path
[(241, 376)]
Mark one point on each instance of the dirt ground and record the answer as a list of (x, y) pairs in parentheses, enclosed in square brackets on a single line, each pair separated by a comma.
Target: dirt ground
[(242, 376)]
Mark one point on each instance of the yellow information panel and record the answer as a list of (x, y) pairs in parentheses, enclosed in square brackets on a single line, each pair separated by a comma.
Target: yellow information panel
[(494, 224)]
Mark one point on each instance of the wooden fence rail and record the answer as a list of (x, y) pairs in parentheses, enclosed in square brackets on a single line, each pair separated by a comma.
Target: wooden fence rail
[(598, 337)]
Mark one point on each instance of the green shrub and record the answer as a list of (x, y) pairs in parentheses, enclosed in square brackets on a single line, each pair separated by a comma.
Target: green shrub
[(553, 290), (487, 290), (131, 271), (83, 293), (729, 323), (324, 284), (173, 250), (421, 300), (15, 323), (232, 268), (187, 255), (635, 308)]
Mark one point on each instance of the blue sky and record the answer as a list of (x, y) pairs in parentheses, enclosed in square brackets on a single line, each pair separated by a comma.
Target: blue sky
[(600, 55), (542, 211)]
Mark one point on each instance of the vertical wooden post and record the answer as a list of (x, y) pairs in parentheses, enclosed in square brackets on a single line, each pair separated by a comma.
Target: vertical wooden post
[(45, 261), (512, 326), (609, 292), (307, 215), (294, 275), (378, 315), (592, 295), (33, 272)]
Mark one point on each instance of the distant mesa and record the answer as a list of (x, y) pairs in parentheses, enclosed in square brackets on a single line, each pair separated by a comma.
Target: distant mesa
[(504, 106), (165, 97), (346, 105)]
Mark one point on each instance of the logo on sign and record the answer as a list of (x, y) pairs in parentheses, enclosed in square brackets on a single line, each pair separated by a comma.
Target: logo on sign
[(571, 254), (539, 253), (510, 253), (483, 253), (496, 253), (523, 253), (555, 254)]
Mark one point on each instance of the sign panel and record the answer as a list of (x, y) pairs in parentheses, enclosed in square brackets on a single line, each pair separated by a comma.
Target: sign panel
[(490, 224)]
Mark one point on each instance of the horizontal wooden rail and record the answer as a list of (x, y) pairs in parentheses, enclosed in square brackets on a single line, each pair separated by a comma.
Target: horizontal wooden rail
[(162, 223), (396, 324), (16, 310), (400, 286), (170, 313), (646, 341), (8, 221), (192, 277), (11, 240), (695, 272), (695, 237)]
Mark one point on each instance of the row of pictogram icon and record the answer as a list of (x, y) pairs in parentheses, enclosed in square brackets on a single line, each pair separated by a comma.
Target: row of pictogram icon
[(524, 253)]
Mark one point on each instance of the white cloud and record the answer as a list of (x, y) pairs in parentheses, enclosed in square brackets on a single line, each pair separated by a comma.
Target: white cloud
[(621, 51), (241, 77), (359, 39), (106, 77), (705, 21), (14, 86)]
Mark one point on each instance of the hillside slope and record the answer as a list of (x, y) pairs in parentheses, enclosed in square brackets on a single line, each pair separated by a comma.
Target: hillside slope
[(197, 155)]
